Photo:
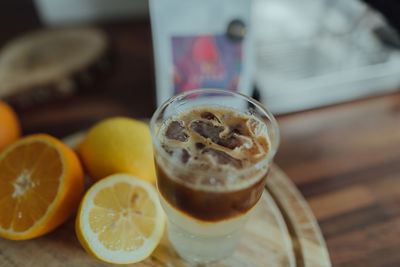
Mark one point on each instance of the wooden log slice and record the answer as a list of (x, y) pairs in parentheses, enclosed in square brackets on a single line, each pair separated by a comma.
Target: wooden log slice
[(50, 63)]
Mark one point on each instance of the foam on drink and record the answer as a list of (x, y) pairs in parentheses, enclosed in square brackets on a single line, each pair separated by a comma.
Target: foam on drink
[(215, 165)]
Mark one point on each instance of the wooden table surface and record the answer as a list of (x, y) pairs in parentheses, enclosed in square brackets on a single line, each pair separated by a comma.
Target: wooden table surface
[(345, 159)]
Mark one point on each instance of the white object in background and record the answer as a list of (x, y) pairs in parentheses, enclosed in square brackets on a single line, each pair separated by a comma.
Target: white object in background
[(59, 12), (313, 53), (197, 18)]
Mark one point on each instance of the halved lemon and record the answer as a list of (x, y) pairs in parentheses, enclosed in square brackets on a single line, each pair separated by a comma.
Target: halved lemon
[(120, 219)]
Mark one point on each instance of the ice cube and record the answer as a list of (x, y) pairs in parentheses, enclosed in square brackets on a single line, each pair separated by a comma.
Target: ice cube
[(240, 129), (207, 129), (254, 126), (176, 131), (178, 153), (209, 116), (199, 145), (184, 155), (167, 149), (222, 157), (230, 142)]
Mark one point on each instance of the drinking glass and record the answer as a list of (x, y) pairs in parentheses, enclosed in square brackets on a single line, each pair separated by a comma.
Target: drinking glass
[(194, 223)]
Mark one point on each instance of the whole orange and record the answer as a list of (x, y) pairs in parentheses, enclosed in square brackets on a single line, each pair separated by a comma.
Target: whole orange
[(10, 129)]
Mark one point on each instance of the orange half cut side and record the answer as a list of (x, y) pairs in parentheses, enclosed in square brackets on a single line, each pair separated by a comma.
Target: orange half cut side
[(41, 184)]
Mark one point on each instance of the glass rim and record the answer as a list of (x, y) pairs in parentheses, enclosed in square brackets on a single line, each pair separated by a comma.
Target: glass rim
[(269, 115)]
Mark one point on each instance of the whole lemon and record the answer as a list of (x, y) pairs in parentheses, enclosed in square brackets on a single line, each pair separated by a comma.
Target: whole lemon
[(118, 145)]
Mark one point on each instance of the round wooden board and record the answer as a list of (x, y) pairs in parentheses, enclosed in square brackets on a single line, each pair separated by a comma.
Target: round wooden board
[(281, 232)]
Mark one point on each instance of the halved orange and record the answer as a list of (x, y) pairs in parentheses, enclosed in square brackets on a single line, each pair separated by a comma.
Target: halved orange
[(41, 184)]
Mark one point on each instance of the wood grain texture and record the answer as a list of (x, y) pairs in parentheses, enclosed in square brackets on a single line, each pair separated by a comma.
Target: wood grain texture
[(281, 232), (330, 153), (309, 245), (345, 159), (265, 240)]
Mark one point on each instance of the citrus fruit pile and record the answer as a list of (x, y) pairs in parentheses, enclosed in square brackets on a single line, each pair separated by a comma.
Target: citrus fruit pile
[(119, 219)]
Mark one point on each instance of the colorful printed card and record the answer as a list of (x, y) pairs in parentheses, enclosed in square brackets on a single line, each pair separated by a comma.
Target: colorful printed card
[(206, 61), (202, 44)]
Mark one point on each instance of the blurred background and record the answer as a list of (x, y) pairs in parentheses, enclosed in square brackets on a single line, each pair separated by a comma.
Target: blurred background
[(329, 70), (313, 53), (114, 77), (309, 53)]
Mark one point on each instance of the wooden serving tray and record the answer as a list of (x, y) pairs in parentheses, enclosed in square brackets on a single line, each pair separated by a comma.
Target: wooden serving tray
[(281, 232)]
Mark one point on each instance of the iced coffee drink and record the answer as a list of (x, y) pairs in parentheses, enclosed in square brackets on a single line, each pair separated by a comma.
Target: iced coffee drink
[(212, 161)]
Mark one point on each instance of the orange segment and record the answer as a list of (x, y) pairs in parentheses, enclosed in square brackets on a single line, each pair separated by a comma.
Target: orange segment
[(22, 219), (6, 189), (37, 206), (7, 206), (41, 182), (120, 219)]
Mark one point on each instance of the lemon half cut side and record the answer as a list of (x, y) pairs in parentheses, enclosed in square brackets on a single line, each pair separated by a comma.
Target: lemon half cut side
[(120, 219)]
